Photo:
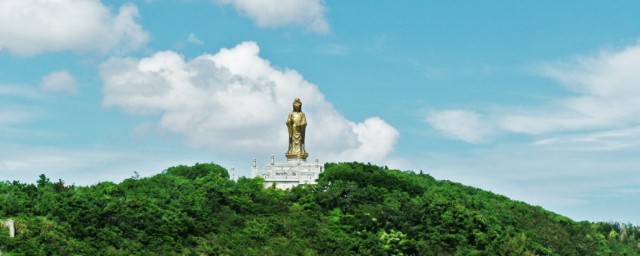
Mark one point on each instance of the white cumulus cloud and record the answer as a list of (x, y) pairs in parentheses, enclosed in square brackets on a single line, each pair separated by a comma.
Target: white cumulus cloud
[(274, 13), (29, 27), (60, 81), (375, 138), (235, 101)]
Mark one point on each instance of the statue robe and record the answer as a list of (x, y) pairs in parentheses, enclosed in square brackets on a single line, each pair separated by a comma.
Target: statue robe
[(296, 124)]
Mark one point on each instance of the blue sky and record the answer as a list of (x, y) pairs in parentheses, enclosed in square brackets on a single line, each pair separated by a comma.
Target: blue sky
[(537, 101)]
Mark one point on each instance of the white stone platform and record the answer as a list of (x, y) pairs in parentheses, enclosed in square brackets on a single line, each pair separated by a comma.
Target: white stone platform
[(288, 174)]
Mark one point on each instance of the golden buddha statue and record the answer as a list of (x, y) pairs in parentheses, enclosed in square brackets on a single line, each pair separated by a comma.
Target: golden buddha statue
[(296, 123)]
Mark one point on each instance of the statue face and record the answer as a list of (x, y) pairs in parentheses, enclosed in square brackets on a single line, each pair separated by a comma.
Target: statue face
[(297, 106)]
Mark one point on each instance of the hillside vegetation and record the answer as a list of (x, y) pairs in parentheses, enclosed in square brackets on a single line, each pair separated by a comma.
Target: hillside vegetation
[(355, 209)]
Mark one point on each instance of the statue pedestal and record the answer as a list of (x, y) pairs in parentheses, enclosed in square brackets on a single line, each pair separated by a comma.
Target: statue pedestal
[(288, 174)]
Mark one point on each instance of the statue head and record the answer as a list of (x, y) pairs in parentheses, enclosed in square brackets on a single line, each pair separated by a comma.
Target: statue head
[(297, 105)]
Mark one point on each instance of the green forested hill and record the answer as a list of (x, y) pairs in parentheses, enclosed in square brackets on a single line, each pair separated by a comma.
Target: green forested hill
[(355, 209)]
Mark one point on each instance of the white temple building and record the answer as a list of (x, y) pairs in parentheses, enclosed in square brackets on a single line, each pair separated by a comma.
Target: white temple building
[(288, 174)]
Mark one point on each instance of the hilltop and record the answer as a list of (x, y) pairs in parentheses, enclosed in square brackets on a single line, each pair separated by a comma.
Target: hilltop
[(355, 209)]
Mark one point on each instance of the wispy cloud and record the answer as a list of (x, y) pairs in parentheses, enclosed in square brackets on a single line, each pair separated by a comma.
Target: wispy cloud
[(606, 89), (609, 140), (193, 39), (333, 49), (16, 106), (438, 72), (13, 116), (19, 91), (60, 82), (464, 125)]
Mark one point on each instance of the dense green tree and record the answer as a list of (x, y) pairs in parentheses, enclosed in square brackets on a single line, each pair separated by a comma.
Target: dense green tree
[(355, 209)]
